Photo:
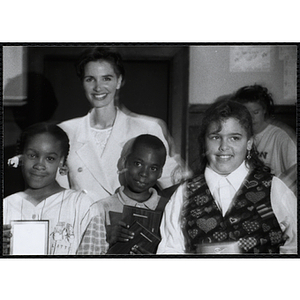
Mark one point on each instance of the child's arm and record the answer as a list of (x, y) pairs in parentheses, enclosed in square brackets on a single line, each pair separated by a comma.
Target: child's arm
[(6, 239), (93, 241)]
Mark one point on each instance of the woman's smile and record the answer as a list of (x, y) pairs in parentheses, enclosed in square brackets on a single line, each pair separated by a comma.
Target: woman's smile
[(99, 96), (100, 83)]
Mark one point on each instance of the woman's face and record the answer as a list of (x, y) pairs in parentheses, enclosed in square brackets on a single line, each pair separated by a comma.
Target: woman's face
[(41, 158), (226, 149), (258, 116), (100, 83)]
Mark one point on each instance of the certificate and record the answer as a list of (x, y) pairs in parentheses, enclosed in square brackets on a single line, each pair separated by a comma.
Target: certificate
[(29, 237)]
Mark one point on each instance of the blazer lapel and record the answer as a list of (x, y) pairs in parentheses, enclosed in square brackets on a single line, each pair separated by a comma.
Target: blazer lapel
[(113, 149), (87, 153)]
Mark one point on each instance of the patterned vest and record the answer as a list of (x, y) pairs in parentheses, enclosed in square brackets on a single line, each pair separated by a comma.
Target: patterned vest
[(250, 219)]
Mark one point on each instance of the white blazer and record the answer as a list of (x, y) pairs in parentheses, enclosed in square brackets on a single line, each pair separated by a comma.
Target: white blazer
[(98, 176)]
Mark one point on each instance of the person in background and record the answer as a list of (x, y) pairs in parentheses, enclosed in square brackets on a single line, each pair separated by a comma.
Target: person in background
[(97, 139), (233, 204), (43, 151), (142, 166), (276, 145)]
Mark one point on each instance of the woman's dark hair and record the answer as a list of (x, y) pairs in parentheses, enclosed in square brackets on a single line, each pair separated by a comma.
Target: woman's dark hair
[(256, 93), (219, 112), (40, 128), (96, 54)]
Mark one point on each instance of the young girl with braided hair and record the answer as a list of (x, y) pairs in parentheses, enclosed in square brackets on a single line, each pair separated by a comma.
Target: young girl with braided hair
[(43, 150)]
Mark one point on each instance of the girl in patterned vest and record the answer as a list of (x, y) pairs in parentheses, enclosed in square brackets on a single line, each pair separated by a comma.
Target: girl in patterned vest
[(234, 204)]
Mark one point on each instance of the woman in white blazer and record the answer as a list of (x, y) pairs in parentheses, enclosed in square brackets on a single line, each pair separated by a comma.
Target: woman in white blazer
[(97, 139)]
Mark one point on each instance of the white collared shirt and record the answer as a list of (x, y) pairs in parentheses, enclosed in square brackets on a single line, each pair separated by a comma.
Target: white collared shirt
[(234, 182), (116, 202), (151, 203)]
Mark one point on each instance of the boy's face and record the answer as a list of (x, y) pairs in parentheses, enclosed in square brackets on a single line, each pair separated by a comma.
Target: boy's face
[(144, 167)]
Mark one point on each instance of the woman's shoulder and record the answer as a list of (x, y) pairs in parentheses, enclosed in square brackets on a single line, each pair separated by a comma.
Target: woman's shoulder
[(75, 128), (146, 124), (139, 118), (72, 123)]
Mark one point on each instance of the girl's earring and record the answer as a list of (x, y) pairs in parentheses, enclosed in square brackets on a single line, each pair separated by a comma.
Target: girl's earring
[(249, 154), (63, 170)]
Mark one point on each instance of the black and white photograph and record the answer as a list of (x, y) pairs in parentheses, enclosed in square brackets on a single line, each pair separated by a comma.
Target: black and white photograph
[(149, 150), (152, 149)]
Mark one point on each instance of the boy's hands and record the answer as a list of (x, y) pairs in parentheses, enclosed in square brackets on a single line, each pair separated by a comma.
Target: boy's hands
[(137, 249), (119, 233), (6, 239)]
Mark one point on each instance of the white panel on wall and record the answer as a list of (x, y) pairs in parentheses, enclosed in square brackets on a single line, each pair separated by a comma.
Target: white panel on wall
[(14, 75)]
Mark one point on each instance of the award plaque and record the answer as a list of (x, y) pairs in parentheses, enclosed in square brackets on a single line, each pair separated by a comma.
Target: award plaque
[(29, 237)]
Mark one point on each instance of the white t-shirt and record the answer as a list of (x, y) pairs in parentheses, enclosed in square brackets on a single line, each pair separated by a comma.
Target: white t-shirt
[(276, 149), (68, 213)]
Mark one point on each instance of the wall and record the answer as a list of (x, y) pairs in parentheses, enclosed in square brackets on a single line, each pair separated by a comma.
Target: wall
[(210, 75)]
